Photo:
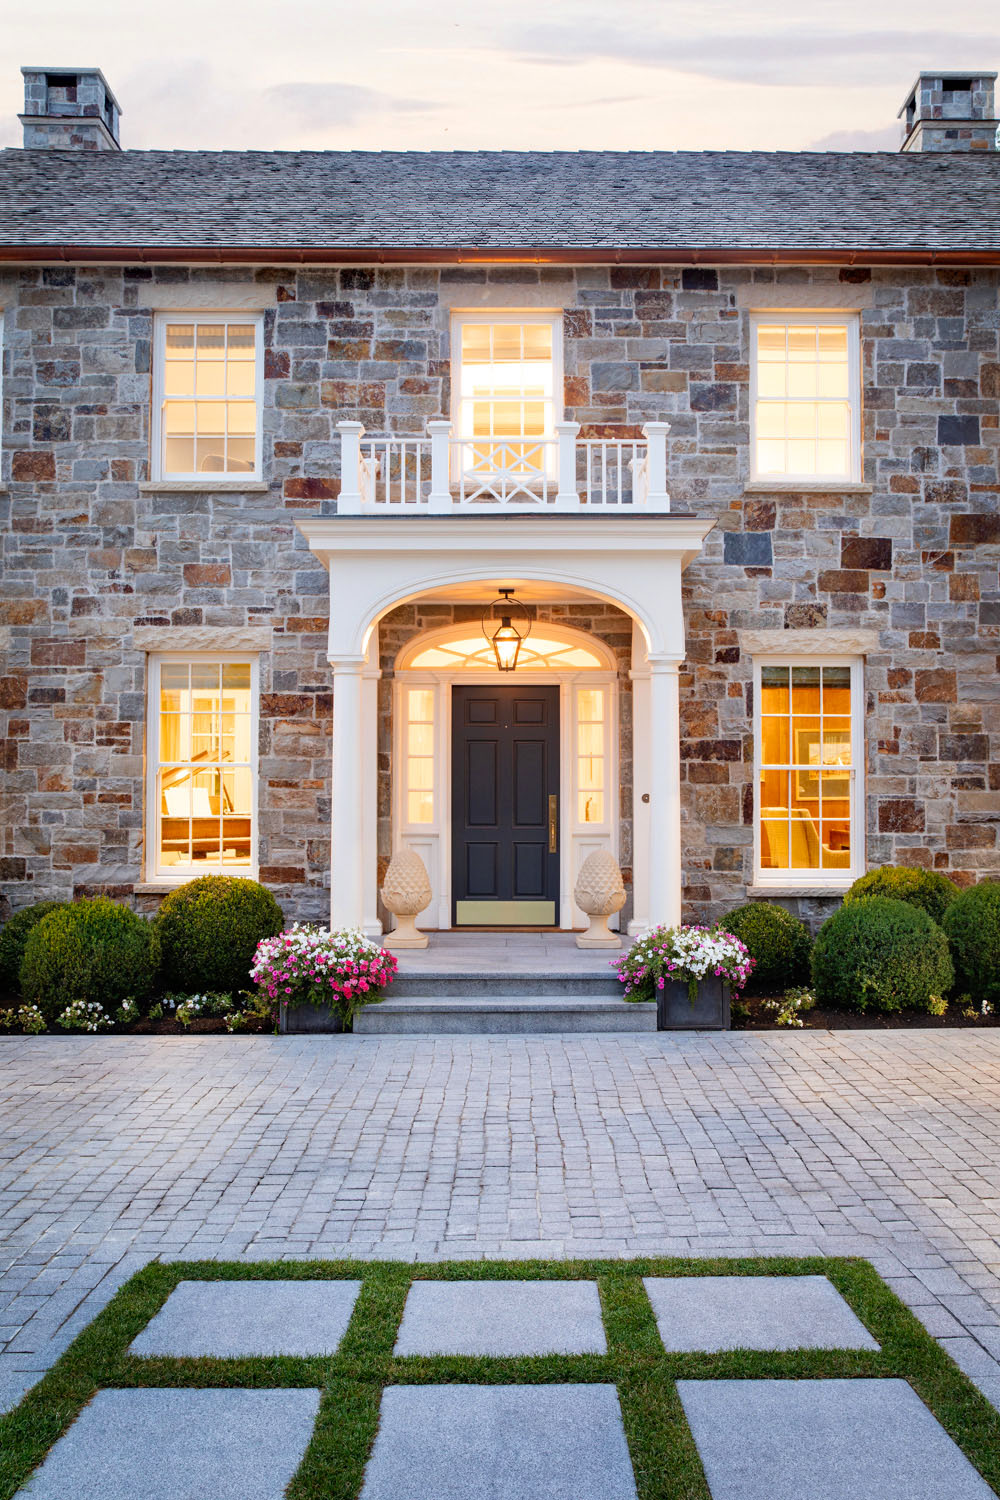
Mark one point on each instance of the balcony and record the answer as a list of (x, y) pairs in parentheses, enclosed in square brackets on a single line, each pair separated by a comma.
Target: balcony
[(439, 474)]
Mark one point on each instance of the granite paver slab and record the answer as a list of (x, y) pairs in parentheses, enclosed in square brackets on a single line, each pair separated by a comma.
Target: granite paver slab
[(753, 1312), (230, 1319), (178, 1445), (502, 1318), (824, 1440), (510, 1442)]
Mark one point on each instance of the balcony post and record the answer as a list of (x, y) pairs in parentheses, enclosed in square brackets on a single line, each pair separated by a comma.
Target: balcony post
[(439, 499), (655, 434), (349, 502), (566, 495)]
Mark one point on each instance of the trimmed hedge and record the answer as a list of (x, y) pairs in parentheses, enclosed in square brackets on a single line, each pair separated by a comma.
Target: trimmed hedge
[(972, 925), (209, 929), (880, 954), (928, 889), (779, 944), (13, 940), (90, 950)]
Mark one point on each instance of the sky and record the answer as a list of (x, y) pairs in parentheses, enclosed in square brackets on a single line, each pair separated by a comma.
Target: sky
[(500, 74)]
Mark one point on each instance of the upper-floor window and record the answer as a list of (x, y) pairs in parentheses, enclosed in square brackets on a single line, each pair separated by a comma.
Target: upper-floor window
[(202, 764), (207, 384), (805, 396), (810, 756), (506, 373)]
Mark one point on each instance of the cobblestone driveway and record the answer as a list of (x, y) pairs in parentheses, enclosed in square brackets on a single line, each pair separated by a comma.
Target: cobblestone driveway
[(881, 1144)]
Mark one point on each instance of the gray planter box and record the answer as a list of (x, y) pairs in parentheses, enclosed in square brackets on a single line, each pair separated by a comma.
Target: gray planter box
[(297, 1020), (710, 1012)]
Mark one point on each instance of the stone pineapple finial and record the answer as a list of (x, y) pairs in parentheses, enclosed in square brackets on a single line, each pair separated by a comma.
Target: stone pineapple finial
[(600, 892), (406, 892)]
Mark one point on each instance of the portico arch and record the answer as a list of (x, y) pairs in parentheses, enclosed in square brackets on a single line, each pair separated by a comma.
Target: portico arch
[(634, 561)]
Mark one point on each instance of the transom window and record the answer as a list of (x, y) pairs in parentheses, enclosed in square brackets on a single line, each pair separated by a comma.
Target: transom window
[(809, 753), (537, 653), (806, 396), (202, 739), (207, 396), (507, 366)]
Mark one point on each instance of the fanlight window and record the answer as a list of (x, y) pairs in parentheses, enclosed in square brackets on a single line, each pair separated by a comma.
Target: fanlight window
[(537, 654)]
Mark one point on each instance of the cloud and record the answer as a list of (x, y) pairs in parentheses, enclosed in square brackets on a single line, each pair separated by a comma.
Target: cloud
[(786, 57), (886, 139), (316, 106), (190, 104)]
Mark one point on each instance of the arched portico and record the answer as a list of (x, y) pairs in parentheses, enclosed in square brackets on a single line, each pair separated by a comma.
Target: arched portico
[(632, 561)]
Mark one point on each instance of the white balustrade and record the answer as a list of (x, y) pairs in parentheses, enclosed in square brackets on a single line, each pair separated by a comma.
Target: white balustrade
[(440, 474)]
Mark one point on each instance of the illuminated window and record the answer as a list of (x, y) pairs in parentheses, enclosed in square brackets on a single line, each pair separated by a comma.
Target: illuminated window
[(420, 755), (591, 754), (206, 397), (201, 751), (805, 397), (807, 770), (507, 372)]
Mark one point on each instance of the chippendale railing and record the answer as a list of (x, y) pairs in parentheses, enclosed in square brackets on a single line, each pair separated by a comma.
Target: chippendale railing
[(441, 474)]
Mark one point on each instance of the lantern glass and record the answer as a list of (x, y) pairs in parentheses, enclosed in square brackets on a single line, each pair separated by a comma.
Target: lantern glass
[(506, 645)]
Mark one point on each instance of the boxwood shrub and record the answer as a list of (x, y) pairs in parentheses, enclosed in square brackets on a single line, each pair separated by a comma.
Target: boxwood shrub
[(92, 950), (880, 954), (928, 889), (972, 925), (209, 929), (779, 944), (13, 939)]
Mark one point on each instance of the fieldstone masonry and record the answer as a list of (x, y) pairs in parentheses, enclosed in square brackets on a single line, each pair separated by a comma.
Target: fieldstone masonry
[(91, 550)]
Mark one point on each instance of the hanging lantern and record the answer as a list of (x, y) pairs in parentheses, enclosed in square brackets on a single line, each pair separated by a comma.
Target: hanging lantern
[(499, 629)]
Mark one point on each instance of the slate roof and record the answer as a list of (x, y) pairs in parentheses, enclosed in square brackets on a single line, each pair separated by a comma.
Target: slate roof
[(506, 201)]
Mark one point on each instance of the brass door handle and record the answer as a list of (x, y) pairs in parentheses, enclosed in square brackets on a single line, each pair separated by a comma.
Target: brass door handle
[(553, 824)]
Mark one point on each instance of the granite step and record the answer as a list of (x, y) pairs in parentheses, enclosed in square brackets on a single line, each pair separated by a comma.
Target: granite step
[(462, 1014), (506, 984)]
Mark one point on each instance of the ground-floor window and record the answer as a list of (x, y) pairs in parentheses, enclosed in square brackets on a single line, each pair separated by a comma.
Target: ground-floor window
[(809, 753), (201, 755)]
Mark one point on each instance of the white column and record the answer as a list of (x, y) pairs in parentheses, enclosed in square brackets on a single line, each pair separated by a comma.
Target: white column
[(567, 497), (655, 434), (439, 498), (371, 926), (664, 791), (349, 501), (347, 820)]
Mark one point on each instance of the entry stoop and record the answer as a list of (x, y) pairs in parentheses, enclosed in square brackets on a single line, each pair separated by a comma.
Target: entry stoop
[(503, 984)]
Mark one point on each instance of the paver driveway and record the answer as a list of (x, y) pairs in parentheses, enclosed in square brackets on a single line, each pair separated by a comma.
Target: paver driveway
[(882, 1144)]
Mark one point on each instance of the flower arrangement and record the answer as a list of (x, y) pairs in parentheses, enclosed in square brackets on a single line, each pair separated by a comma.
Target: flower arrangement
[(687, 954), (84, 1015), (310, 966)]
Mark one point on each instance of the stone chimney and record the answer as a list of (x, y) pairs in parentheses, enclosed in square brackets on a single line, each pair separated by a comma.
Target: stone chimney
[(69, 109), (951, 112)]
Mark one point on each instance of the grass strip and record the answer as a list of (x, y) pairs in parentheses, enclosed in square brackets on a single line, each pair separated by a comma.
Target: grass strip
[(664, 1457)]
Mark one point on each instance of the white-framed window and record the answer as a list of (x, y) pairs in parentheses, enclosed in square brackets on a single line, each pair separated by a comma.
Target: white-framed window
[(208, 372), (805, 396), (809, 770), (201, 758), (507, 385)]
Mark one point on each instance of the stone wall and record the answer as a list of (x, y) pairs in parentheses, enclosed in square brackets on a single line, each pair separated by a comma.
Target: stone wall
[(89, 552)]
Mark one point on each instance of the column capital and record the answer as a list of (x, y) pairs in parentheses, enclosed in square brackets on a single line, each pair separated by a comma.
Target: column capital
[(661, 664), (347, 665)]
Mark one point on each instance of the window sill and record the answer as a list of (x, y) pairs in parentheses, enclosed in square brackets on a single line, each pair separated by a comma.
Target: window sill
[(162, 886), (199, 486), (803, 888), (806, 487)]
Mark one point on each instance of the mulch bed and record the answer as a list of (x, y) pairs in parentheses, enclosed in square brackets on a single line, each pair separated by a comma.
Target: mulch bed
[(822, 1019)]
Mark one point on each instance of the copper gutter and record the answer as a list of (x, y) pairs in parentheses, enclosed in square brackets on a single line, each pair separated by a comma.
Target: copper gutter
[(471, 255)]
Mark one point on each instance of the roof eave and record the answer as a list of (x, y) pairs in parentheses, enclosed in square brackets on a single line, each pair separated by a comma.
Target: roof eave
[(486, 255)]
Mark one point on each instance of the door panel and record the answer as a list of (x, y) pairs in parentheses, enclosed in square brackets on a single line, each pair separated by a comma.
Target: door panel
[(505, 768)]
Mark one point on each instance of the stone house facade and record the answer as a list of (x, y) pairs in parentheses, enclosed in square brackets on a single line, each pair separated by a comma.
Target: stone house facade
[(873, 593)]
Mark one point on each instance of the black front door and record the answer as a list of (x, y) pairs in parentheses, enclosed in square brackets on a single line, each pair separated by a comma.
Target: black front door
[(504, 806)]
